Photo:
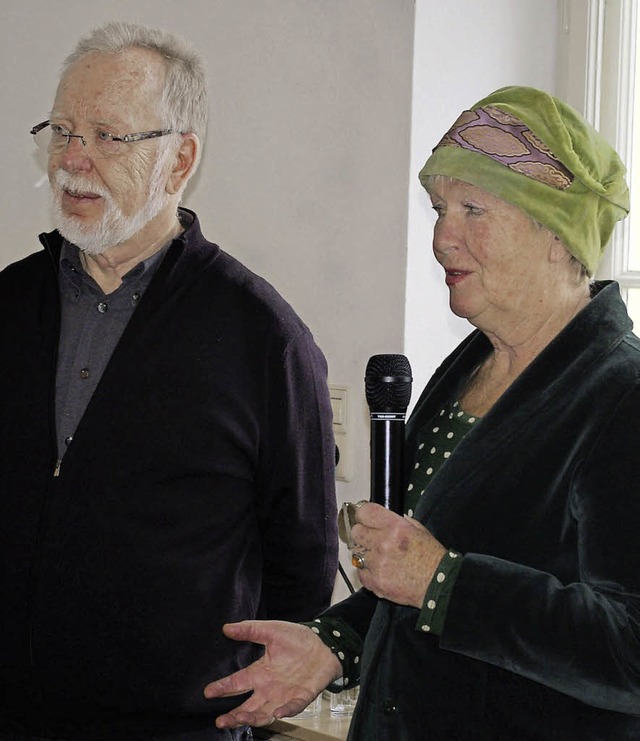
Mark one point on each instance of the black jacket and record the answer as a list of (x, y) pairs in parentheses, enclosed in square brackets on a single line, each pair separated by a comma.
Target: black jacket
[(199, 489)]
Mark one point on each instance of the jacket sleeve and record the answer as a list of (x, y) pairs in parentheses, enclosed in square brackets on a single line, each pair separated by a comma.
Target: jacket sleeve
[(580, 638), (356, 611), (298, 511)]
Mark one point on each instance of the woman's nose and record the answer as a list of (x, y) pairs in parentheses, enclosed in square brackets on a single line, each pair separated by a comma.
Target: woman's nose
[(446, 235)]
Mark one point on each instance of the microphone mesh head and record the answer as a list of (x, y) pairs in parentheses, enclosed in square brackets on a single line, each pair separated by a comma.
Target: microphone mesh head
[(387, 383)]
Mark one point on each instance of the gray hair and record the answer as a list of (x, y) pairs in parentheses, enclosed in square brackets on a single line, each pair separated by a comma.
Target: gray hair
[(184, 104)]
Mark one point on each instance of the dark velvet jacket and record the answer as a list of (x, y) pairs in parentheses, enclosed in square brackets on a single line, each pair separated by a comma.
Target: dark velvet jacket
[(542, 634), (199, 489)]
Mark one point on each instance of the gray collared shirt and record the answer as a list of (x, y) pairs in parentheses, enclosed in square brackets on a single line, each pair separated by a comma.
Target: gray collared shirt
[(92, 323)]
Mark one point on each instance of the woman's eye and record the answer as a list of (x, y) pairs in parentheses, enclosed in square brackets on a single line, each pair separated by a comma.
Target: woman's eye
[(473, 210)]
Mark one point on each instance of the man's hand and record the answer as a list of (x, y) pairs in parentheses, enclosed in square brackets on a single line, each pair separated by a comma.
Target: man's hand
[(295, 668)]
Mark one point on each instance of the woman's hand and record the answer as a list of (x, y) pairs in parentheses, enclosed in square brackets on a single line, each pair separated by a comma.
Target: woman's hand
[(295, 668), (400, 555)]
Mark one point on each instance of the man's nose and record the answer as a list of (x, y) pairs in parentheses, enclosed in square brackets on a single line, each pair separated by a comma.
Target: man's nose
[(75, 155)]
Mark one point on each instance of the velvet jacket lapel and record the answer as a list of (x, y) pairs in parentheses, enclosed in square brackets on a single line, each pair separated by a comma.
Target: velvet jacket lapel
[(549, 379)]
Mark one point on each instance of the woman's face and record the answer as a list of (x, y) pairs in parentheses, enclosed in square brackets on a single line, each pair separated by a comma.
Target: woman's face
[(496, 260)]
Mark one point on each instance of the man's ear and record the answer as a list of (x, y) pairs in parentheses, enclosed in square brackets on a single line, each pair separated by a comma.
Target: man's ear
[(184, 163)]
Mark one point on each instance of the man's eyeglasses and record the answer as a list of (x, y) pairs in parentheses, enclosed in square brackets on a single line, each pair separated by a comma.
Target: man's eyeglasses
[(54, 138)]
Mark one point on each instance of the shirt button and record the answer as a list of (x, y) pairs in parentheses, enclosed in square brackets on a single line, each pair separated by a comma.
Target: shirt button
[(389, 707), (135, 297), (84, 373), (67, 440), (103, 307)]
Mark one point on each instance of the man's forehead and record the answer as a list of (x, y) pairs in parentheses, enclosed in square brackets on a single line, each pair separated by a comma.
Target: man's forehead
[(101, 85)]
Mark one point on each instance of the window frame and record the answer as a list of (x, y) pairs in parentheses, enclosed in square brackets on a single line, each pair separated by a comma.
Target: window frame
[(610, 82), (609, 86), (596, 74)]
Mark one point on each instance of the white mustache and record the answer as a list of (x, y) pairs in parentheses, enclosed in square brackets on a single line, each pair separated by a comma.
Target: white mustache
[(78, 185)]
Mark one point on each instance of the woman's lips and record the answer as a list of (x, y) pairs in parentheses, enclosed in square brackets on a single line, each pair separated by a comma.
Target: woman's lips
[(453, 277)]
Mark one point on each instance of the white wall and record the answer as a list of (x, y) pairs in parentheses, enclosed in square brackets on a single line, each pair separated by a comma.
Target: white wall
[(463, 51), (310, 170)]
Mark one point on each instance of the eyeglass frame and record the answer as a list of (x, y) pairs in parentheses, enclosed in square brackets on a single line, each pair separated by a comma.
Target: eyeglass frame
[(126, 139)]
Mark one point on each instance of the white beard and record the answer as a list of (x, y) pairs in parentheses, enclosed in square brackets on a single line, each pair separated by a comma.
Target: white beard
[(114, 227)]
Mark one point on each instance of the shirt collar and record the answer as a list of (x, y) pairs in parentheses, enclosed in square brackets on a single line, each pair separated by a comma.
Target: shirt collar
[(74, 277)]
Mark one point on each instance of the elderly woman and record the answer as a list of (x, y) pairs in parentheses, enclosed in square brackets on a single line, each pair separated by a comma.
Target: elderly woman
[(506, 603)]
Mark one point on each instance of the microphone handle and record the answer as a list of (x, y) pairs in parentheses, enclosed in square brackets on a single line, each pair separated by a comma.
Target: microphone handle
[(387, 459)]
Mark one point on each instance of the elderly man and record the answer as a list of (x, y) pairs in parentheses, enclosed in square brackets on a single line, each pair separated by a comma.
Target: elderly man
[(167, 452)]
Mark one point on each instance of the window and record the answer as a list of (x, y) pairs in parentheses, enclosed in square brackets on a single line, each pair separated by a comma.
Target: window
[(612, 105), (629, 272)]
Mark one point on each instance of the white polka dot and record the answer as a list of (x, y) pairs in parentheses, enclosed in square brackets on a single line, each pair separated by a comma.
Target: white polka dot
[(344, 680), (341, 655), (410, 512), (316, 620), (429, 472), (420, 446), (472, 420), (435, 429), (410, 487), (453, 555), (447, 454), (356, 660), (431, 604), (426, 628), (315, 630), (336, 633), (460, 414), (455, 404), (449, 435), (450, 415), (442, 413), (441, 577), (417, 465), (433, 450), (423, 491)]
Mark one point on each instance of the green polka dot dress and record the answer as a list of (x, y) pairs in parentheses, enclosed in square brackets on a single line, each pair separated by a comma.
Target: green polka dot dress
[(434, 444)]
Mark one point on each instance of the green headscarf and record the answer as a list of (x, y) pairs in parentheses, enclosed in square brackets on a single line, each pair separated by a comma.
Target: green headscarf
[(536, 152)]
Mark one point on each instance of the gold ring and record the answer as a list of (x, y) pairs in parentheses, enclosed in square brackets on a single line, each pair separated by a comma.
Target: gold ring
[(357, 561)]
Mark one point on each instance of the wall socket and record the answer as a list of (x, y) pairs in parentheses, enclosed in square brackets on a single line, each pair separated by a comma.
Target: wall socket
[(340, 407)]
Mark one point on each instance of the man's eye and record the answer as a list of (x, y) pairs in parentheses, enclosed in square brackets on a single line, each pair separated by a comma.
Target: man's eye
[(104, 136), (58, 130)]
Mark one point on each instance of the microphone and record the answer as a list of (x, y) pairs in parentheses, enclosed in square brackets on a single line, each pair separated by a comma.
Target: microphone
[(388, 390)]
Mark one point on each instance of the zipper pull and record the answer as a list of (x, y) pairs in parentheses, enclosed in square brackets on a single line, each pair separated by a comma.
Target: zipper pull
[(56, 470)]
